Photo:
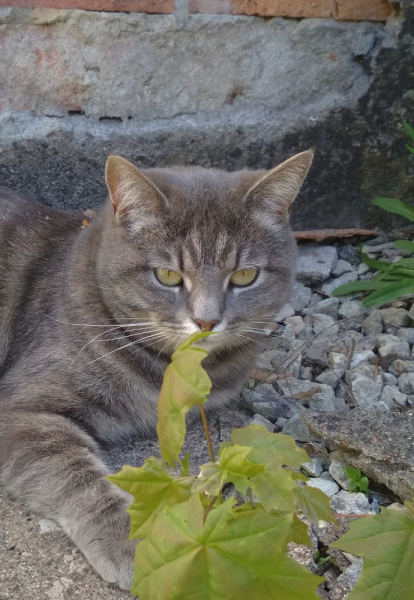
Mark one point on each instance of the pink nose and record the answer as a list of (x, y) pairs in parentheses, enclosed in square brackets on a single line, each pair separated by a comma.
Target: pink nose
[(205, 325)]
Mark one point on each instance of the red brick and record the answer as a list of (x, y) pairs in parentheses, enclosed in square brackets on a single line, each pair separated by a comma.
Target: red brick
[(344, 10), (266, 8), (147, 6), (365, 10)]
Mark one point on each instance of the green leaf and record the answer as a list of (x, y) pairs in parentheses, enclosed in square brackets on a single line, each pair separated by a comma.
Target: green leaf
[(153, 488), (393, 205), (358, 286), (314, 504), (353, 474), (404, 245), (232, 467), (409, 130), (393, 291), (299, 532), (363, 484), (274, 489), (409, 148), (185, 385), (386, 543), (269, 449), (379, 265), (231, 553), (185, 464)]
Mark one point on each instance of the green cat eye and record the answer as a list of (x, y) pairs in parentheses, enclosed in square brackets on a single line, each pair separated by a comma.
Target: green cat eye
[(244, 277), (167, 277)]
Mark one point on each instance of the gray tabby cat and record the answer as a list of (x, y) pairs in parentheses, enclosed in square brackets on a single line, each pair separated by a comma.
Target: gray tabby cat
[(89, 318)]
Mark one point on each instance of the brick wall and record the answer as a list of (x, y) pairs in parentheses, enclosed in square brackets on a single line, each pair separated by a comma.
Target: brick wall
[(343, 10)]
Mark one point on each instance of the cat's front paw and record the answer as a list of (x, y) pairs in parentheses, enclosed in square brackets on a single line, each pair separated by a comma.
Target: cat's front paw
[(113, 560), (104, 540)]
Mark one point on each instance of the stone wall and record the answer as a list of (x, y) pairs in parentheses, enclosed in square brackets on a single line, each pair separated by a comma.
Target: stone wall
[(206, 82)]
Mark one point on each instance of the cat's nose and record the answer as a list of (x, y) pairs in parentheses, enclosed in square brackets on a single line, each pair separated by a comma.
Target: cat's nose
[(205, 325)]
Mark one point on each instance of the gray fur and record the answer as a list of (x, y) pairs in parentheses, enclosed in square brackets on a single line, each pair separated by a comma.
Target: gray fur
[(86, 331)]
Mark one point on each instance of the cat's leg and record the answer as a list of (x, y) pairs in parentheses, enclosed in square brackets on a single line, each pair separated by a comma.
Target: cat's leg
[(54, 467)]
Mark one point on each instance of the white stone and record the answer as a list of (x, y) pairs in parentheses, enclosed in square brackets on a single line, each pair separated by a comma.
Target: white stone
[(363, 269), (328, 288), (364, 390), (328, 378), (341, 267), (313, 468), (300, 296), (395, 350), (351, 503), (389, 379), (315, 263), (395, 317), (286, 311), (296, 323), (359, 358), (406, 383), (373, 323), (329, 306), (406, 334), (393, 397), (47, 525), (327, 487), (336, 470), (259, 420), (325, 324), (337, 362), (351, 309)]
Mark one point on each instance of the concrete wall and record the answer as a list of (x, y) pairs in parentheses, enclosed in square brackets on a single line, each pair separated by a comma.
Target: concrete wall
[(225, 90)]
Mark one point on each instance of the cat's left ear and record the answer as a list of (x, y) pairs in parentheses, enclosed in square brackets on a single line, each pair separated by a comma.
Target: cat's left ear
[(273, 194), (134, 197)]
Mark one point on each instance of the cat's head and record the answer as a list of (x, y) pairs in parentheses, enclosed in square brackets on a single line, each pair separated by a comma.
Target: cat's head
[(186, 249)]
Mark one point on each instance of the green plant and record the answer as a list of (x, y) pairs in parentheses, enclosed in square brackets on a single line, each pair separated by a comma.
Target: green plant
[(195, 543), (393, 280), (358, 482)]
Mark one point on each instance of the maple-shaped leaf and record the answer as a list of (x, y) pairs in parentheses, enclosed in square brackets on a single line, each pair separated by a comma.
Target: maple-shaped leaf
[(386, 543), (275, 449), (274, 489), (314, 504), (232, 467), (231, 555), (185, 385), (153, 489), (299, 532)]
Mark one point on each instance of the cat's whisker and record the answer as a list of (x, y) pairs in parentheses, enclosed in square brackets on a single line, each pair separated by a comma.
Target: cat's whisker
[(252, 341), (97, 325), (135, 342)]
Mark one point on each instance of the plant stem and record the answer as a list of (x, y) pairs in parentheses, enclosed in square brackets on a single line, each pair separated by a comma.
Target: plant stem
[(209, 507), (207, 432)]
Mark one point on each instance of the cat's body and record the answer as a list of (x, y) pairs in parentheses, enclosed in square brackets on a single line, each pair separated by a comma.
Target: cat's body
[(87, 327)]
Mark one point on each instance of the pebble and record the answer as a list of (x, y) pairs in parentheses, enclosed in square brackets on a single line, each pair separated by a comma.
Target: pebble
[(406, 334), (373, 323), (263, 363), (296, 323), (286, 311), (350, 254), (300, 296), (341, 267), (393, 397), (389, 379), (272, 409), (351, 309), (328, 378), (406, 383), (328, 288), (315, 263), (351, 503), (325, 324), (395, 317), (329, 306), (336, 470), (359, 358), (300, 432), (313, 468), (394, 350), (411, 312), (259, 420), (325, 485), (364, 390), (337, 362), (47, 525), (363, 269)]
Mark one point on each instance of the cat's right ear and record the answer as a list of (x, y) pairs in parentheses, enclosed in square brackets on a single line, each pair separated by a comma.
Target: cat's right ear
[(135, 198)]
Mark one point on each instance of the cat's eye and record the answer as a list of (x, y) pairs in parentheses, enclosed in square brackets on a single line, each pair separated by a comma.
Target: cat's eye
[(167, 277), (244, 277)]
